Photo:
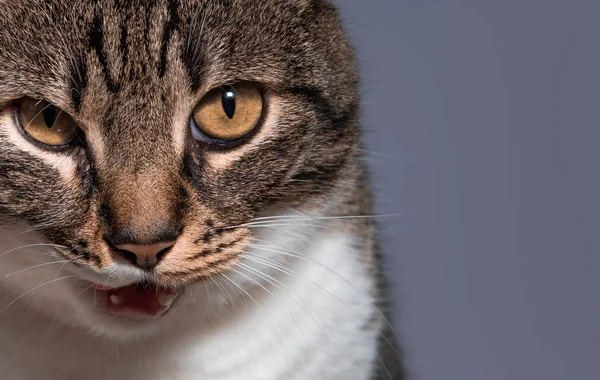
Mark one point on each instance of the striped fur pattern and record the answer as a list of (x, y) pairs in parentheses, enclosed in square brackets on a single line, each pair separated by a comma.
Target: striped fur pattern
[(268, 246)]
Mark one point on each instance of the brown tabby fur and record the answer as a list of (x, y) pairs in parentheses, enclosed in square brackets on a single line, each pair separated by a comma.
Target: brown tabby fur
[(129, 73)]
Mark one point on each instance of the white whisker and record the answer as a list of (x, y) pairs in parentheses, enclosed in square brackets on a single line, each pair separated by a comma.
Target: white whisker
[(299, 256), (257, 305), (345, 304), (33, 245), (329, 331), (37, 266), (296, 218), (31, 290), (262, 276)]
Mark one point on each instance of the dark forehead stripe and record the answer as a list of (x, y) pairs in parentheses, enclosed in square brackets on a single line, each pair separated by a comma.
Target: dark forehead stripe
[(192, 56), (96, 43), (78, 81), (172, 25), (123, 43)]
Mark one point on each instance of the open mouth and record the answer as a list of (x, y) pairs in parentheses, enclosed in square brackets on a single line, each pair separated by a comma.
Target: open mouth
[(137, 301)]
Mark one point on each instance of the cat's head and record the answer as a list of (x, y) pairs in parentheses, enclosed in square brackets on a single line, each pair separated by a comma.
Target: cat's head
[(140, 137)]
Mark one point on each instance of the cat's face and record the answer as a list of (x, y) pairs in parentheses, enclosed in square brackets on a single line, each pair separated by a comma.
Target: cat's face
[(141, 136)]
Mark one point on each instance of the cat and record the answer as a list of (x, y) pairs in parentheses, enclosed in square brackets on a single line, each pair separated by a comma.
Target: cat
[(183, 194)]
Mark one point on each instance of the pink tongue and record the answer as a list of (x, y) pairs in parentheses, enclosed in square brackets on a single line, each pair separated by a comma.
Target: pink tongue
[(135, 300)]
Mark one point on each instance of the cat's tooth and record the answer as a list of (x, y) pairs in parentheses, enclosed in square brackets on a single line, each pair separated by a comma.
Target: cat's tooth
[(166, 299), (116, 300)]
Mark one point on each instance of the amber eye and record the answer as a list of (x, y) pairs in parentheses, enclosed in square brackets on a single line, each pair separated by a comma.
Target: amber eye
[(227, 114), (45, 123)]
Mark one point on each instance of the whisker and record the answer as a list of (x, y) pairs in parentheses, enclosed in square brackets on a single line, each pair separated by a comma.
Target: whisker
[(33, 245), (18, 40), (37, 227), (296, 218), (83, 291), (279, 285), (293, 233), (62, 266), (257, 305), (240, 288), (267, 262), (260, 274), (31, 290), (331, 334), (345, 304), (348, 283), (285, 224), (38, 265), (36, 115), (226, 292)]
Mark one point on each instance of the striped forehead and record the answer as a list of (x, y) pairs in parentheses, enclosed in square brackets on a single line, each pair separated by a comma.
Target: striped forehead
[(128, 82), (129, 48)]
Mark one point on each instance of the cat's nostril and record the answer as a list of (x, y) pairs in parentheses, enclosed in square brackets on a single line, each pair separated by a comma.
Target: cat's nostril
[(145, 256), (129, 256)]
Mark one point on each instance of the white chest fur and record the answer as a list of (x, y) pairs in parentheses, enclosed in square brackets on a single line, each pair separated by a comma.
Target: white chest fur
[(282, 313)]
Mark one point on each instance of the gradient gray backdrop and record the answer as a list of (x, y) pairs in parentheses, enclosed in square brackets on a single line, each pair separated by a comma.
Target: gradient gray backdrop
[(484, 116)]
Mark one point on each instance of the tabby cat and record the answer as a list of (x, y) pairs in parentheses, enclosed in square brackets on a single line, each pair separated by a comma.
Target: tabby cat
[(182, 194)]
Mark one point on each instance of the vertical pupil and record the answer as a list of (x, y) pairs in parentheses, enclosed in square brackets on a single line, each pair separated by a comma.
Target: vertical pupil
[(49, 114), (228, 101)]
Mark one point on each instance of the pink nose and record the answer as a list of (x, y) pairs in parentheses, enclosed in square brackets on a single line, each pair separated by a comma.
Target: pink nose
[(145, 256)]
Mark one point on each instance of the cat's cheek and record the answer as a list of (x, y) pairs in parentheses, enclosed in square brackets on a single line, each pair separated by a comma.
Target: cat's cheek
[(54, 291)]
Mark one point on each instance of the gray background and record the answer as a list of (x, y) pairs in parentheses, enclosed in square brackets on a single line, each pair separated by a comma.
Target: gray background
[(483, 119)]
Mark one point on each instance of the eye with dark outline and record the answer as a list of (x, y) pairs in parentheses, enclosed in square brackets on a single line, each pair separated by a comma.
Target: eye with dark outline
[(228, 114), (45, 124)]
